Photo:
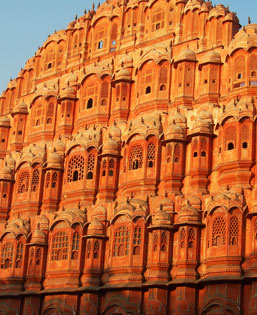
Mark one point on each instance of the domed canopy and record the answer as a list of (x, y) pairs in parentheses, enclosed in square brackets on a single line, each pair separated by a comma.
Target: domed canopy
[(212, 57), (161, 218), (54, 160), (123, 74), (95, 228), (188, 214), (21, 108), (38, 236), (4, 121), (6, 173), (187, 55), (110, 147)]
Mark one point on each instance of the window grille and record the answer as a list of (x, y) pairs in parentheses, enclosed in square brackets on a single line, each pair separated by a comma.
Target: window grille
[(234, 231), (218, 232), (121, 242), (60, 246), (35, 180), (75, 245), (23, 183), (151, 154), (137, 241), (76, 168), (7, 256), (19, 254), (136, 157), (164, 240)]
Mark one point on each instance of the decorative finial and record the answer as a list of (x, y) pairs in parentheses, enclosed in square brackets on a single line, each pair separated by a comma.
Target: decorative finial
[(93, 6), (249, 20), (98, 5), (85, 11), (76, 17)]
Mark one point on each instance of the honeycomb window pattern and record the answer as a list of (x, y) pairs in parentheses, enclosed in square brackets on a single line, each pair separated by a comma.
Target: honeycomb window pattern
[(151, 154), (155, 241), (121, 242), (234, 231), (164, 241), (76, 168), (7, 256), (35, 180), (47, 179), (218, 231), (60, 246), (96, 249), (23, 183), (135, 157), (91, 162), (182, 238), (191, 238)]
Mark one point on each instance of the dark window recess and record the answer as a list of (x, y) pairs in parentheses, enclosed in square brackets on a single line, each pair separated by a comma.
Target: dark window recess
[(90, 175), (75, 176), (19, 132), (90, 103), (100, 44), (244, 145), (231, 146), (148, 90), (195, 154), (203, 153)]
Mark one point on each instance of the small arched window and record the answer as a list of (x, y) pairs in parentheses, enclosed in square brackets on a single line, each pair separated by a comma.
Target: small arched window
[(54, 180), (234, 231), (35, 180), (75, 245), (151, 154), (96, 249), (100, 44), (148, 90), (155, 241), (218, 231), (23, 182), (47, 179), (89, 247), (191, 238), (230, 146), (182, 238), (7, 256), (244, 145), (60, 246), (90, 166), (90, 103), (137, 240), (121, 242), (164, 241), (111, 167), (76, 168), (135, 157), (19, 255), (38, 256)]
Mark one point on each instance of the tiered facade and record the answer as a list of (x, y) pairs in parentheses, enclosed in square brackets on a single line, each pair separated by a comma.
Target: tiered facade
[(128, 162)]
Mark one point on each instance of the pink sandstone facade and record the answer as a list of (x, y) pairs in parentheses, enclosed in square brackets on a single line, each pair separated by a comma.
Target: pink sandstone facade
[(128, 162)]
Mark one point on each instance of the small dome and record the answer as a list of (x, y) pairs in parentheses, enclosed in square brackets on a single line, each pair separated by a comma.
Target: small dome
[(175, 132), (187, 55), (205, 115), (231, 16), (38, 236), (123, 74), (68, 92), (195, 202), (54, 160), (167, 204), (95, 228), (4, 121), (161, 218), (188, 214), (110, 147), (205, 7), (6, 173), (212, 57), (72, 80), (21, 108), (115, 132)]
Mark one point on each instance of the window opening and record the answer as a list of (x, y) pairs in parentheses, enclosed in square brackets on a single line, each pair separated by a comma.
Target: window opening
[(75, 245), (90, 103), (137, 241), (7, 256), (75, 168), (151, 154), (121, 242), (218, 232), (135, 157), (60, 246), (148, 90), (234, 231)]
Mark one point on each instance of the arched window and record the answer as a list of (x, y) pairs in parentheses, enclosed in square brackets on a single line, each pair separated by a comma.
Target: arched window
[(191, 238), (104, 168), (151, 154), (49, 113), (75, 245), (155, 241), (60, 246), (7, 256), (230, 137), (75, 168), (148, 90), (90, 103), (137, 241), (182, 238), (54, 180), (89, 247), (234, 231), (218, 231), (100, 44), (23, 182), (163, 78), (135, 157), (96, 249), (111, 167), (47, 179), (121, 242), (176, 153), (164, 240), (35, 180), (19, 255), (168, 153), (90, 166), (38, 256)]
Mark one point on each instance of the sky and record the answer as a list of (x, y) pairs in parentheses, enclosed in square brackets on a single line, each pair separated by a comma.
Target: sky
[(26, 24)]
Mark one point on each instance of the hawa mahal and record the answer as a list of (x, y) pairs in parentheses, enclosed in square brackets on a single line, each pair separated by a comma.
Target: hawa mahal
[(127, 165)]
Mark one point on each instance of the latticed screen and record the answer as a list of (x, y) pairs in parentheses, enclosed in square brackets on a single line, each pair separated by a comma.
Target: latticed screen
[(19, 254), (111, 163), (135, 157), (76, 168), (182, 238), (151, 154), (96, 249), (35, 180), (137, 240), (164, 240), (60, 246), (121, 242), (89, 247), (91, 162), (75, 245), (54, 179), (191, 238), (7, 256), (47, 179), (155, 241), (218, 232), (23, 183), (234, 231)]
